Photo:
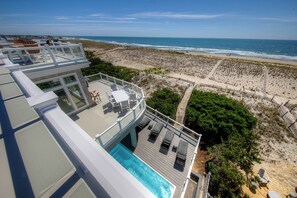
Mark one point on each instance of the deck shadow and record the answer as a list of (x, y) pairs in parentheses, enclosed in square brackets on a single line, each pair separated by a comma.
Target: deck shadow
[(178, 167), (164, 150), (152, 139)]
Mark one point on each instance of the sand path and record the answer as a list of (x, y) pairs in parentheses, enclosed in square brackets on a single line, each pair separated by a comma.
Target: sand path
[(193, 79), (181, 109), (214, 69), (106, 51)]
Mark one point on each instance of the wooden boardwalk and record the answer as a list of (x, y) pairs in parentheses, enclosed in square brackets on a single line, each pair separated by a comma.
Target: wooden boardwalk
[(163, 160), (181, 109)]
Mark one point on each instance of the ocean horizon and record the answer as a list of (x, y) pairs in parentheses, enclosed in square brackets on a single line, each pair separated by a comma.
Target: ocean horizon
[(258, 48)]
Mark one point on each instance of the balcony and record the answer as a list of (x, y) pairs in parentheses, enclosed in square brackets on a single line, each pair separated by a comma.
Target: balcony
[(34, 57), (104, 123)]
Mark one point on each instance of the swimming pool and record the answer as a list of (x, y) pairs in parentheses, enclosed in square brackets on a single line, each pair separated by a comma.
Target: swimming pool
[(142, 172)]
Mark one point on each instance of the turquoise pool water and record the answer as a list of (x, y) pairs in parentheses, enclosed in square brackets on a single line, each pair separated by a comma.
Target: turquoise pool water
[(142, 172)]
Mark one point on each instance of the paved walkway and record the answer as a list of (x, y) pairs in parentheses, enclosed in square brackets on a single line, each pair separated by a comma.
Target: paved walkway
[(214, 69), (107, 51), (181, 109)]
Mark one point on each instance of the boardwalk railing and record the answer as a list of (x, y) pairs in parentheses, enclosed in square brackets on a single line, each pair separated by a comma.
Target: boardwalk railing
[(45, 55), (115, 130)]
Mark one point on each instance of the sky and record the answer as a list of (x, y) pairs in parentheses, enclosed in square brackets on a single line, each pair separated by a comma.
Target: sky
[(255, 19)]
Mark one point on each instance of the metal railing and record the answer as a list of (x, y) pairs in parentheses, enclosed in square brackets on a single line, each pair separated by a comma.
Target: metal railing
[(45, 55), (177, 127), (207, 180), (123, 123)]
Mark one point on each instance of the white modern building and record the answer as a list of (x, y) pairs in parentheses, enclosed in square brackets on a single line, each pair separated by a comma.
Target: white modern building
[(66, 135)]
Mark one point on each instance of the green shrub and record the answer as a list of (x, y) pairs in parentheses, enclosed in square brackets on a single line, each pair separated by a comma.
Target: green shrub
[(97, 65), (164, 100), (226, 128), (225, 180), (216, 117)]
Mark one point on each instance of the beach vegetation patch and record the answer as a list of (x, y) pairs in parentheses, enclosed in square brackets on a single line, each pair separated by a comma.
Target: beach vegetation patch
[(156, 70), (164, 100), (217, 117), (227, 132), (97, 65)]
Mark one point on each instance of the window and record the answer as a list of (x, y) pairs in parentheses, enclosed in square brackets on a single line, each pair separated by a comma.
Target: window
[(69, 79), (70, 96), (77, 96), (49, 84), (63, 101)]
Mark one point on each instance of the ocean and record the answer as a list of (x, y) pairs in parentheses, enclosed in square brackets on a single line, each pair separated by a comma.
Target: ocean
[(259, 48)]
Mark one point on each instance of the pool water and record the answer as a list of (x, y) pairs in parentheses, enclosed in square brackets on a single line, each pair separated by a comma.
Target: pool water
[(142, 172)]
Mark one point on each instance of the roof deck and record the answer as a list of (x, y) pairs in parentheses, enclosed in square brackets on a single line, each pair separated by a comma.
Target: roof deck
[(35, 56), (161, 159), (98, 118), (102, 121)]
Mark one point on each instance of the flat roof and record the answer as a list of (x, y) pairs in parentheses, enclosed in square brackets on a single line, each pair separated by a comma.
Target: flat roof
[(6, 78), (6, 188), (32, 162), (45, 162), (20, 112), (79, 189), (10, 90), (4, 70)]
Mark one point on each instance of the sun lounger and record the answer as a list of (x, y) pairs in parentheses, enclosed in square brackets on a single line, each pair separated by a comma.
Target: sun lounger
[(156, 129), (145, 120), (181, 152), (168, 138)]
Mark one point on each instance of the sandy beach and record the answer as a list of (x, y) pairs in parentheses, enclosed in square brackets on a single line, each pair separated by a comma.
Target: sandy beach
[(277, 144), (237, 71)]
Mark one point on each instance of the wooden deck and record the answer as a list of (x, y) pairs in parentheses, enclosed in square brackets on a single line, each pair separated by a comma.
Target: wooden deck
[(163, 160)]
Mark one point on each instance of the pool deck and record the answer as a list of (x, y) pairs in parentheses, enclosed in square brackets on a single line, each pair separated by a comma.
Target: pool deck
[(163, 160)]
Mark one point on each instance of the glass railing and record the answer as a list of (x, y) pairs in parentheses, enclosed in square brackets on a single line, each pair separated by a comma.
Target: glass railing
[(28, 55), (123, 123)]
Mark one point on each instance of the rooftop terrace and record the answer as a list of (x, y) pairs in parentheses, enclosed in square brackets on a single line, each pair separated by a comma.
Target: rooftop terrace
[(35, 56), (102, 121)]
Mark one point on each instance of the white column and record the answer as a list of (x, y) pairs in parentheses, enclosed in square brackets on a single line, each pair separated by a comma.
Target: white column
[(133, 137)]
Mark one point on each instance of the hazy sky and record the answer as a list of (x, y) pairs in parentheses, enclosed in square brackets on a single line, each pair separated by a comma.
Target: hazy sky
[(271, 19)]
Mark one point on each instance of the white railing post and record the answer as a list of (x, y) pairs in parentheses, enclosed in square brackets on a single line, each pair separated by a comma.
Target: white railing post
[(100, 75), (53, 43), (10, 55), (51, 55), (99, 139), (134, 112), (82, 51), (167, 120), (72, 54), (120, 124), (62, 48)]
